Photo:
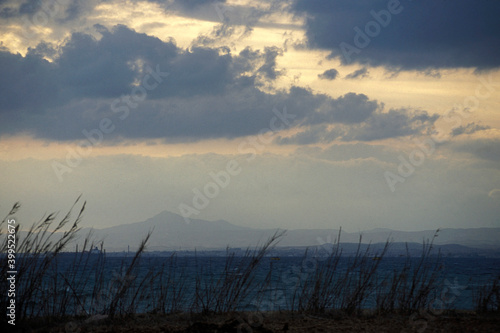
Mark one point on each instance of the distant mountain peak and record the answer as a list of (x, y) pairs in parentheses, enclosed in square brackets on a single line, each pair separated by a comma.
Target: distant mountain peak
[(173, 219), (380, 230), (172, 232)]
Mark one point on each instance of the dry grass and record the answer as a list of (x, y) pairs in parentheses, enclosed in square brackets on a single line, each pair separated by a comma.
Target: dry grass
[(53, 290)]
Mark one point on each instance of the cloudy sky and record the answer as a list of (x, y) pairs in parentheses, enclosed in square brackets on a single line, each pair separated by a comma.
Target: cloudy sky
[(286, 113)]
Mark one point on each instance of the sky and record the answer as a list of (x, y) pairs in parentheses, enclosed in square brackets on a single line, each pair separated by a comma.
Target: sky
[(289, 114)]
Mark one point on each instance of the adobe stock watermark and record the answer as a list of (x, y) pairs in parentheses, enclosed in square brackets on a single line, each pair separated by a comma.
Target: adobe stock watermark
[(427, 147), (220, 180), (120, 106), (372, 29)]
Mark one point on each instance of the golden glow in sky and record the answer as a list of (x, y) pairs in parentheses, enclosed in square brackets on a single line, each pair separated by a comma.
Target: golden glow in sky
[(136, 103)]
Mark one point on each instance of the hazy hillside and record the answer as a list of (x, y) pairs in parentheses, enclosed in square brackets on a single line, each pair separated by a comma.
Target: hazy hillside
[(171, 232)]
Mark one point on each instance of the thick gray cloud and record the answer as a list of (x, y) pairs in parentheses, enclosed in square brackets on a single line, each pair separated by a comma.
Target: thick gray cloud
[(26, 82), (192, 94), (330, 74), (404, 34), (86, 68)]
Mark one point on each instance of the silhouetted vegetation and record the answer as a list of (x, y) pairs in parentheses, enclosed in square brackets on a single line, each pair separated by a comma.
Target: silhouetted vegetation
[(55, 284), (487, 296)]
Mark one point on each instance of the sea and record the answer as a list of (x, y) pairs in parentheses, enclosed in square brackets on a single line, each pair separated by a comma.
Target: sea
[(209, 283)]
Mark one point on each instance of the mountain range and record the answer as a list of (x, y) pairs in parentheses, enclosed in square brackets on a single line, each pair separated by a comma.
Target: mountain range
[(170, 232)]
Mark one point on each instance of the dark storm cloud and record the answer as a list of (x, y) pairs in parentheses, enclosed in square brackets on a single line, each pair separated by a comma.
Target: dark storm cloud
[(406, 35), (79, 87), (330, 74), (26, 82), (196, 94), (107, 68)]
